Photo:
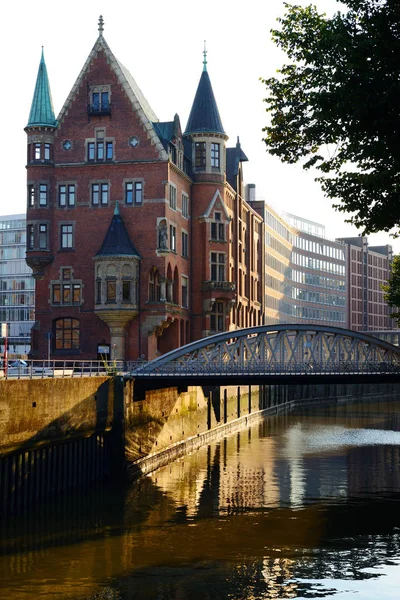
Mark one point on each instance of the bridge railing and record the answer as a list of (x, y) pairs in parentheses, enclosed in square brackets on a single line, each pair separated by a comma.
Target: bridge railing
[(34, 369), (143, 369)]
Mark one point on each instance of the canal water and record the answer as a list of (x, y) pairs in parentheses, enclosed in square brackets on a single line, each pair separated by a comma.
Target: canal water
[(302, 505)]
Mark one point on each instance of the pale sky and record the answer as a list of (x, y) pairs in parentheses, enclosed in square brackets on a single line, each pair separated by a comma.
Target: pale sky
[(161, 43)]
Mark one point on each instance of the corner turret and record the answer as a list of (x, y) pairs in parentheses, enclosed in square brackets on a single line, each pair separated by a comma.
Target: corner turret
[(204, 128)]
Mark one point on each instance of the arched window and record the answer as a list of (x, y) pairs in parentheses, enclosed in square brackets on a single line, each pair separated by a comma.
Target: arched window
[(66, 334)]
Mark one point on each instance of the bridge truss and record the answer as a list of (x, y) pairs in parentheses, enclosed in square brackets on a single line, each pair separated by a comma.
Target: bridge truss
[(277, 349)]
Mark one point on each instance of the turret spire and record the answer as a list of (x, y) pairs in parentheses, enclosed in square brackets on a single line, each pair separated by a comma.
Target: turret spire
[(42, 113), (204, 116)]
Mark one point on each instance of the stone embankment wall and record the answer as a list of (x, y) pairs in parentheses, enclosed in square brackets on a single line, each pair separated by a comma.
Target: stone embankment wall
[(38, 411)]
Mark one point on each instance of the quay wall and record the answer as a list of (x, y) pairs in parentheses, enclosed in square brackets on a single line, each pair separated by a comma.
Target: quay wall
[(56, 435), (39, 411)]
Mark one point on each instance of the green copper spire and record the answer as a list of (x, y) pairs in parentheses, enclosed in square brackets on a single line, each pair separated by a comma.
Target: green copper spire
[(42, 113)]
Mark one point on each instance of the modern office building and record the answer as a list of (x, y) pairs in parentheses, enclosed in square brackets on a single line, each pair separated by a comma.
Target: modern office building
[(17, 286), (305, 273)]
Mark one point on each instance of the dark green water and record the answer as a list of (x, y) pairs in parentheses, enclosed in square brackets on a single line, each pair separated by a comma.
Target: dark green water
[(300, 506)]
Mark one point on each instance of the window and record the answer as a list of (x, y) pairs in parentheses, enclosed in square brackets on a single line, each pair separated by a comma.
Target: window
[(99, 193), (217, 317), (185, 206), (66, 195), (111, 291), (66, 236), (200, 155), (172, 237), (43, 237), (66, 334), (185, 296), (31, 195), (100, 150), (172, 196), (215, 155), (47, 151), (126, 291), (56, 297), (154, 286), (38, 151), (65, 291), (43, 194), (98, 291), (133, 192), (185, 244), (218, 228), (31, 237), (99, 101), (217, 266)]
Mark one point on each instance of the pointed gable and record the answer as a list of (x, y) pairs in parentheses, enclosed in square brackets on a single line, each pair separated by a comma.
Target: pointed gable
[(42, 112), (216, 203), (139, 103), (117, 241)]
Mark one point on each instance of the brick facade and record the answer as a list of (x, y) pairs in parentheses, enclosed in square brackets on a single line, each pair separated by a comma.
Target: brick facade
[(196, 272)]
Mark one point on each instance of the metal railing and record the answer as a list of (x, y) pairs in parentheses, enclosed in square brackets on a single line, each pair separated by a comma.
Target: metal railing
[(61, 368), (144, 369)]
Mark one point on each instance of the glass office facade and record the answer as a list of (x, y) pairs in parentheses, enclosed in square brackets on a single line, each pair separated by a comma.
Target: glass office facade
[(305, 273), (17, 286)]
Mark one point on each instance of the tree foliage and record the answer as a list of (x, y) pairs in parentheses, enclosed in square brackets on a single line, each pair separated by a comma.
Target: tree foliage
[(392, 289), (336, 106)]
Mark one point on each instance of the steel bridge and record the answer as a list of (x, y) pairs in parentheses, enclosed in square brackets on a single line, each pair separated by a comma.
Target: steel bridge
[(274, 354)]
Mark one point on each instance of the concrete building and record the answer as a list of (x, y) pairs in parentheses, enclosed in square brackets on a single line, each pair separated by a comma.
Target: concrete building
[(368, 268), (17, 286), (139, 235)]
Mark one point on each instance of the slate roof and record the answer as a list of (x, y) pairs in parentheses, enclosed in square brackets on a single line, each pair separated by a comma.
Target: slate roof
[(42, 112), (234, 156), (204, 116), (117, 241)]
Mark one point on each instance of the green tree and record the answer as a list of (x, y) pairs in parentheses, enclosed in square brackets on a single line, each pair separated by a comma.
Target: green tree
[(336, 106), (392, 289)]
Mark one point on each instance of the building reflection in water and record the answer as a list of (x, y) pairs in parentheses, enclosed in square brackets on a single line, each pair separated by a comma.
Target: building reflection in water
[(260, 514)]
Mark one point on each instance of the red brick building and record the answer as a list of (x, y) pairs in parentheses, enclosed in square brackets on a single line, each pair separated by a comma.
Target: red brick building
[(137, 232)]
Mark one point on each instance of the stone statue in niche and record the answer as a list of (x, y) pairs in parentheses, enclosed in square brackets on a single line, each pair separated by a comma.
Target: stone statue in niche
[(163, 235)]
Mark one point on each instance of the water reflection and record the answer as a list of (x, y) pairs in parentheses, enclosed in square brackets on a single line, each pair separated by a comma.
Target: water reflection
[(297, 506)]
